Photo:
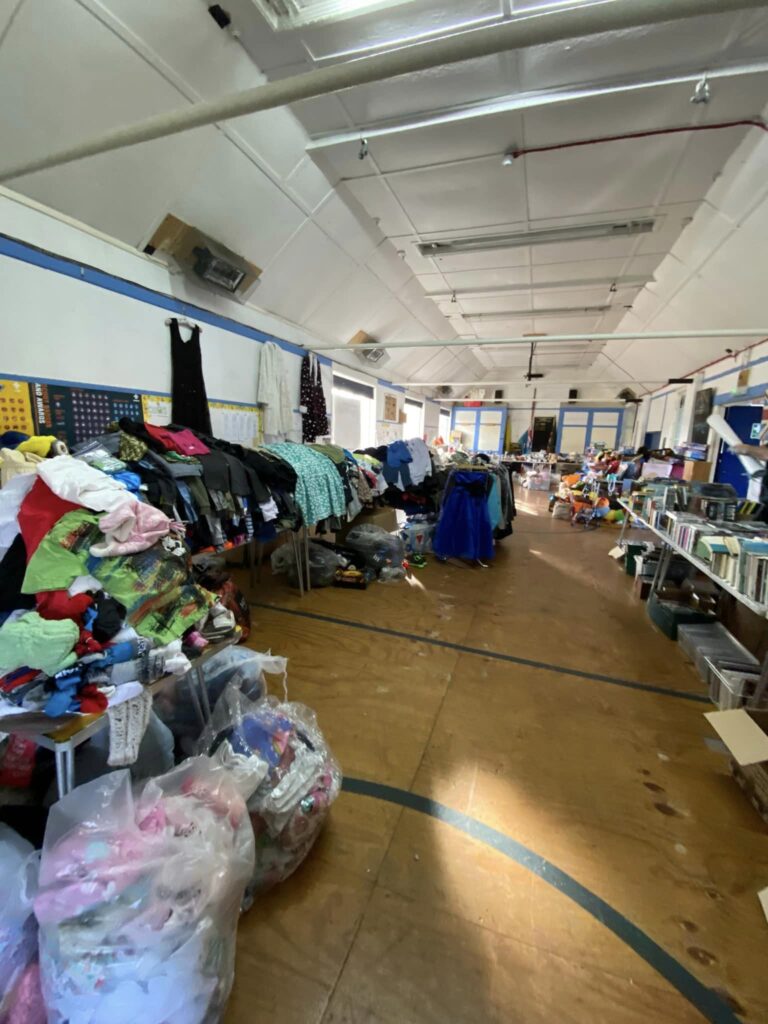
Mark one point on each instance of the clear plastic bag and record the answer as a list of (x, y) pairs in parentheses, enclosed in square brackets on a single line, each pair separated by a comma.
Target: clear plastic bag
[(19, 985), (377, 546), (323, 564), (285, 771), (238, 667), (139, 896)]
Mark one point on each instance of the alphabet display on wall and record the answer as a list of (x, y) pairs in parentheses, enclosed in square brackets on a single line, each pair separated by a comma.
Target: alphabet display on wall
[(75, 414)]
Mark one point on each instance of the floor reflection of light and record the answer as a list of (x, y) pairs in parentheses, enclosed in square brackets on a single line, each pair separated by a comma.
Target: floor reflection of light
[(413, 582)]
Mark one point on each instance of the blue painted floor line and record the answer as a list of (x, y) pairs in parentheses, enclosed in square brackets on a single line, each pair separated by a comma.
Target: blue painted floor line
[(629, 684), (706, 1001)]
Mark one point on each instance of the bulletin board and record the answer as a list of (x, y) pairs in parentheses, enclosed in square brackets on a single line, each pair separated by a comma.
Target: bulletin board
[(240, 424), (390, 408), (15, 407), (75, 414)]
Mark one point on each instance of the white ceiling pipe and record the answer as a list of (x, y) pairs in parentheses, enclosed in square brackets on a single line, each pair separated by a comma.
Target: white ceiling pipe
[(545, 339), (529, 30), (539, 399), (521, 381), (527, 101)]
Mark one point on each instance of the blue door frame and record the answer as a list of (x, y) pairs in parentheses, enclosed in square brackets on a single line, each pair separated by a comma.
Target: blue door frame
[(478, 409), (590, 411)]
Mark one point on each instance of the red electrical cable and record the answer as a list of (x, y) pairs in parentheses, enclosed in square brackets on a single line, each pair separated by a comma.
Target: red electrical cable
[(752, 122)]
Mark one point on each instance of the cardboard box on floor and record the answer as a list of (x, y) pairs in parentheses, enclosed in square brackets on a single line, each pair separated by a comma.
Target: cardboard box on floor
[(745, 734), (386, 518)]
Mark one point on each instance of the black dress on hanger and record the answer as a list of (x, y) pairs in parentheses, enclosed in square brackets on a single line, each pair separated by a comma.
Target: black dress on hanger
[(189, 402)]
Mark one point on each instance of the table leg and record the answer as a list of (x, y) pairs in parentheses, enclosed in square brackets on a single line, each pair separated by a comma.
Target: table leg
[(299, 561), (61, 771), (624, 528), (195, 697), (760, 689), (69, 754), (661, 569), (206, 704), (306, 556)]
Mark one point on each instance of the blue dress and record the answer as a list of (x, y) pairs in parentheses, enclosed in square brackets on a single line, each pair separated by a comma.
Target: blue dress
[(464, 529)]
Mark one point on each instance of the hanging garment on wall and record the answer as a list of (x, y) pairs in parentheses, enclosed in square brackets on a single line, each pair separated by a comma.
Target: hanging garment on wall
[(272, 391), (189, 406), (314, 422)]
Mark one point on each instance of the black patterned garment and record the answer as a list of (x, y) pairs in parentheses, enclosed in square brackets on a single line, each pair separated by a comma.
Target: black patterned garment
[(314, 422)]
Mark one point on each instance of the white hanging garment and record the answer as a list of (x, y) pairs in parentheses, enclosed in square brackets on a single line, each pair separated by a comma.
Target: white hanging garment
[(272, 391)]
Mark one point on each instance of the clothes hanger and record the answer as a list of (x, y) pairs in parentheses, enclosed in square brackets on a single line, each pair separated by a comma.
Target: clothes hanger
[(183, 323)]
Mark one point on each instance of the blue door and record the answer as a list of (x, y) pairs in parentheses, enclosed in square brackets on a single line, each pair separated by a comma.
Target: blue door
[(729, 470)]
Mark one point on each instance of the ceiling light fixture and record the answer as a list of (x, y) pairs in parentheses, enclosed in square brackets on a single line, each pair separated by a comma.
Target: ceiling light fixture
[(542, 236), (289, 14), (533, 314), (612, 283)]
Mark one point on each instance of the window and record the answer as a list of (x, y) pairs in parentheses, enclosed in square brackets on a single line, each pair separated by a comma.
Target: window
[(444, 424), (414, 419), (354, 414)]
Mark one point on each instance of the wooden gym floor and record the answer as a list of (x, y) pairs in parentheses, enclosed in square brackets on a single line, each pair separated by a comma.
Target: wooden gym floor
[(524, 839)]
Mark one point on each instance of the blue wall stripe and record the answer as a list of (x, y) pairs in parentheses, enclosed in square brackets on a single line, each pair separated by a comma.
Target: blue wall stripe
[(15, 249), (392, 387), (628, 684), (711, 1006), (54, 382)]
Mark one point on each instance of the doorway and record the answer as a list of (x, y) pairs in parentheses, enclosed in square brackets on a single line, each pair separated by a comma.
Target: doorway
[(543, 434), (741, 418)]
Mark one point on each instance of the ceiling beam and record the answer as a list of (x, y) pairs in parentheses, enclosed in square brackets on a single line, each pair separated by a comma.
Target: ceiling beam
[(506, 383), (530, 29), (757, 333), (522, 101)]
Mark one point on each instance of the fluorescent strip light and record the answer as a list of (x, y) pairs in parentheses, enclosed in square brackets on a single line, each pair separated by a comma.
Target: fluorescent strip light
[(533, 314), (578, 283), (542, 236)]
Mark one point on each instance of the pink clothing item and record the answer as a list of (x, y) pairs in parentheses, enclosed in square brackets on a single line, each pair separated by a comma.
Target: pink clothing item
[(183, 441), (26, 1000), (130, 528)]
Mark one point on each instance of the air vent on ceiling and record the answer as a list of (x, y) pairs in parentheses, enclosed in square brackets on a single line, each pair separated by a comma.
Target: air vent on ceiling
[(444, 390), (288, 14)]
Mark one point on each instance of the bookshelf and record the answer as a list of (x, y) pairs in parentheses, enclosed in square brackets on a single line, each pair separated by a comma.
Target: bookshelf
[(758, 609)]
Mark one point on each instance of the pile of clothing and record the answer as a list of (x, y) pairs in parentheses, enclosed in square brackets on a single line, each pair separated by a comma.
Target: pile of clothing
[(285, 771), (139, 897), (97, 598), (412, 477)]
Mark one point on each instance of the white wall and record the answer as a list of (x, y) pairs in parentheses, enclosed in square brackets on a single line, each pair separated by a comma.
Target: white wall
[(58, 326)]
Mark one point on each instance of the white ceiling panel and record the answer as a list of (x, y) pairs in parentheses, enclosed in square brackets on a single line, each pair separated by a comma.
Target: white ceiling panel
[(469, 279), (381, 203), (256, 220), (350, 232), (308, 183), (639, 266), (461, 196), (350, 308), (389, 266), (594, 179), (46, 106), (701, 164), (635, 50), (303, 274), (433, 89)]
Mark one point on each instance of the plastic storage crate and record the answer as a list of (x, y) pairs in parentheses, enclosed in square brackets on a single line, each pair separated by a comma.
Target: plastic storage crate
[(712, 644), (731, 688)]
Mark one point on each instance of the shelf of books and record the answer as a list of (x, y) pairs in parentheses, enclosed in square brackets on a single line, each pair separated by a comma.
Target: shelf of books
[(735, 555)]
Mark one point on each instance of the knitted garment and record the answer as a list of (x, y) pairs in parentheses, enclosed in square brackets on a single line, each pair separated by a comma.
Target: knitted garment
[(127, 724)]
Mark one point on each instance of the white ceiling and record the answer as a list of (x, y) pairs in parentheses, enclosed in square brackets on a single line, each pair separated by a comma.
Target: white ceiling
[(336, 235)]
